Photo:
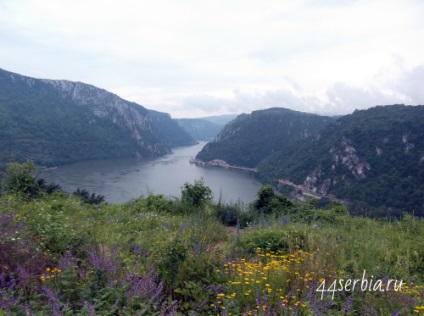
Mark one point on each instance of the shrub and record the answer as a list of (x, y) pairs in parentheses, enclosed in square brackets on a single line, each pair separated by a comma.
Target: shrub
[(21, 179), (195, 196)]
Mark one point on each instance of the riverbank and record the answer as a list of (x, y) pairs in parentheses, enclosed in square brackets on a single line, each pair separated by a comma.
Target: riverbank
[(219, 163)]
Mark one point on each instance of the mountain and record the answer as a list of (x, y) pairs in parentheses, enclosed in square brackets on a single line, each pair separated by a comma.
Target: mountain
[(200, 129), (249, 138), (220, 119), (58, 121), (373, 158)]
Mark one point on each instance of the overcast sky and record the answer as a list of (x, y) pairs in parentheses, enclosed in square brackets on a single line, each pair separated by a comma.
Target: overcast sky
[(193, 58)]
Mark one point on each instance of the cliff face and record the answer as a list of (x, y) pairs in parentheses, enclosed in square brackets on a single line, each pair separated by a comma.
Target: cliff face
[(372, 156), (344, 158), (45, 110)]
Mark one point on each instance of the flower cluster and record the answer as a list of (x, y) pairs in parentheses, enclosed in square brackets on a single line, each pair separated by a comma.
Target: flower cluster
[(50, 274), (272, 280), (419, 310)]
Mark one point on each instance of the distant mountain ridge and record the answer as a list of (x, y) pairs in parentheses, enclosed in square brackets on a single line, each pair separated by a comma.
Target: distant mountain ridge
[(220, 119), (373, 158), (200, 129), (249, 138), (205, 128), (59, 121)]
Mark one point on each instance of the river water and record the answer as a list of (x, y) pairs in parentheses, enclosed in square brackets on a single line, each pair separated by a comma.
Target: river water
[(121, 180)]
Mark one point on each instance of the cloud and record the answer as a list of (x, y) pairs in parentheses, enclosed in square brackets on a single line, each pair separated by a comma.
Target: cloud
[(411, 85), (196, 58), (339, 98), (344, 98), (245, 102)]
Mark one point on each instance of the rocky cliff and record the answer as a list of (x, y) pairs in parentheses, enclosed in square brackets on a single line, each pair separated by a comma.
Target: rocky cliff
[(372, 157), (59, 121)]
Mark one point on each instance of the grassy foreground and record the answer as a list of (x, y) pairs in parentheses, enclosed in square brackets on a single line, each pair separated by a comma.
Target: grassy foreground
[(160, 256)]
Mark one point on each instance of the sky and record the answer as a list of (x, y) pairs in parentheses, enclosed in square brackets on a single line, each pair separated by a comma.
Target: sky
[(195, 58)]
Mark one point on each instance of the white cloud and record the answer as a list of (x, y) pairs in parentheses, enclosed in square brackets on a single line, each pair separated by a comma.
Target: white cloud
[(206, 57)]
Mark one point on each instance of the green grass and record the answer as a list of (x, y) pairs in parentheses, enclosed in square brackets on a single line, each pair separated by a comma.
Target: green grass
[(189, 254)]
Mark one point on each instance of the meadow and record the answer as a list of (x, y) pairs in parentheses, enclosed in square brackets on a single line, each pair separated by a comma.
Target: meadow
[(64, 255)]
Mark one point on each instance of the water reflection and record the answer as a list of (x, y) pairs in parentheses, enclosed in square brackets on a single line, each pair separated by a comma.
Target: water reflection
[(123, 179)]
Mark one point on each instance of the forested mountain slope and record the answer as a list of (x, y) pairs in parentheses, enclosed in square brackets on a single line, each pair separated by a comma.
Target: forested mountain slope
[(249, 138), (58, 121), (374, 158)]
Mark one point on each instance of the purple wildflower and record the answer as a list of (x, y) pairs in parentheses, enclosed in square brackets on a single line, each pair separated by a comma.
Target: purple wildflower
[(90, 308), (103, 262), (68, 260), (348, 306), (53, 300)]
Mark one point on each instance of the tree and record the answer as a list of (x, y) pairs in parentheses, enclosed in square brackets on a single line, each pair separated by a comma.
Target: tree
[(85, 196), (49, 188), (265, 195), (196, 194), (21, 179), (268, 201)]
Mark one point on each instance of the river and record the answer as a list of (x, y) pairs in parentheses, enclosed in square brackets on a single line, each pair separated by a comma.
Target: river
[(121, 180)]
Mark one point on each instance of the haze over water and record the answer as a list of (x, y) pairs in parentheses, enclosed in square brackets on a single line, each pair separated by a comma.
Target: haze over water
[(124, 179)]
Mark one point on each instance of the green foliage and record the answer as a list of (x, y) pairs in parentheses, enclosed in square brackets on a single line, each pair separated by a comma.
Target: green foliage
[(85, 196), (57, 256), (42, 120), (21, 179), (174, 255), (196, 195), (272, 239), (388, 138), (270, 202), (160, 204), (49, 188), (234, 215), (248, 139)]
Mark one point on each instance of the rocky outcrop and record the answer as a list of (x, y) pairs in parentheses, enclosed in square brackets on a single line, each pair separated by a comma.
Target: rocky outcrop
[(139, 121), (104, 104), (86, 121), (348, 157), (320, 182)]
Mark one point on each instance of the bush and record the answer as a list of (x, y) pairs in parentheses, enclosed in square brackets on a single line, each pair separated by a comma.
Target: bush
[(21, 179), (195, 196), (85, 196), (270, 202), (234, 214)]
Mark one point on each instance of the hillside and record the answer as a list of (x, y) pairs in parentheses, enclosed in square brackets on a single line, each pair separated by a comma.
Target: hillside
[(249, 138), (200, 129), (57, 121), (220, 119), (373, 157)]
